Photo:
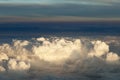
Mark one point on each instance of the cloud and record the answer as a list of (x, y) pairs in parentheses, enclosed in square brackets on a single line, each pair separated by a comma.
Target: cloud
[(60, 11), (2, 69), (112, 57), (45, 58), (62, 1), (17, 65), (87, 2), (100, 48)]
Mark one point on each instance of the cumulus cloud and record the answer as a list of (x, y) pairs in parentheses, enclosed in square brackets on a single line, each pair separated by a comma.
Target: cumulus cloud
[(2, 69), (49, 56), (112, 57), (18, 65), (3, 56), (100, 48)]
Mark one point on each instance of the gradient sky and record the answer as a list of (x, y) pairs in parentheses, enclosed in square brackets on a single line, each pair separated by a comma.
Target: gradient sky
[(64, 10)]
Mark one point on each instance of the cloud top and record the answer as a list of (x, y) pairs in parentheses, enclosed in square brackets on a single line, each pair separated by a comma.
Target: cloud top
[(41, 56)]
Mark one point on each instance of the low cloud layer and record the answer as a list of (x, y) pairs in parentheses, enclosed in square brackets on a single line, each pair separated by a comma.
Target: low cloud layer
[(58, 58)]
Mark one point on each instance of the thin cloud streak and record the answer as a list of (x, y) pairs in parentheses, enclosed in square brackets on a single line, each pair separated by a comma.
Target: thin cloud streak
[(56, 19), (84, 2)]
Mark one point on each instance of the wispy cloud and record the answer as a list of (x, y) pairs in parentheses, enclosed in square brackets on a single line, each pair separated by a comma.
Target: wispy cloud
[(55, 8), (56, 19), (60, 10), (85, 2)]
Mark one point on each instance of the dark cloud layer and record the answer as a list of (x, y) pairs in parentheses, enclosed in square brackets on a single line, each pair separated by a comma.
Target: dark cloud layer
[(75, 10)]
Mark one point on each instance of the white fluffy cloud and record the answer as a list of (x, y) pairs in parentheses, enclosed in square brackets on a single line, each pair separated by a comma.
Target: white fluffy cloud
[(57, 55), (100, 48), (112, 57), (18, 65), (3, 56)]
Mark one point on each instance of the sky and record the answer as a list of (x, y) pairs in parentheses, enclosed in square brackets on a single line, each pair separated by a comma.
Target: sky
[(59, 10)]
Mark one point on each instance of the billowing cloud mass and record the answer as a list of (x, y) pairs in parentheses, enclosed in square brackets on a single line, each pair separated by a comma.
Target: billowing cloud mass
[(58, 58)]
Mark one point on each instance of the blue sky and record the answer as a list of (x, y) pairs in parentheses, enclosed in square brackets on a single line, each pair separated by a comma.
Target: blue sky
[(59, 9)]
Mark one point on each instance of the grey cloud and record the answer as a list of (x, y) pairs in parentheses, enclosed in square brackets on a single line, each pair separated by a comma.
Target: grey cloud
[(95, 0), (60, 10), (85, 2)]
